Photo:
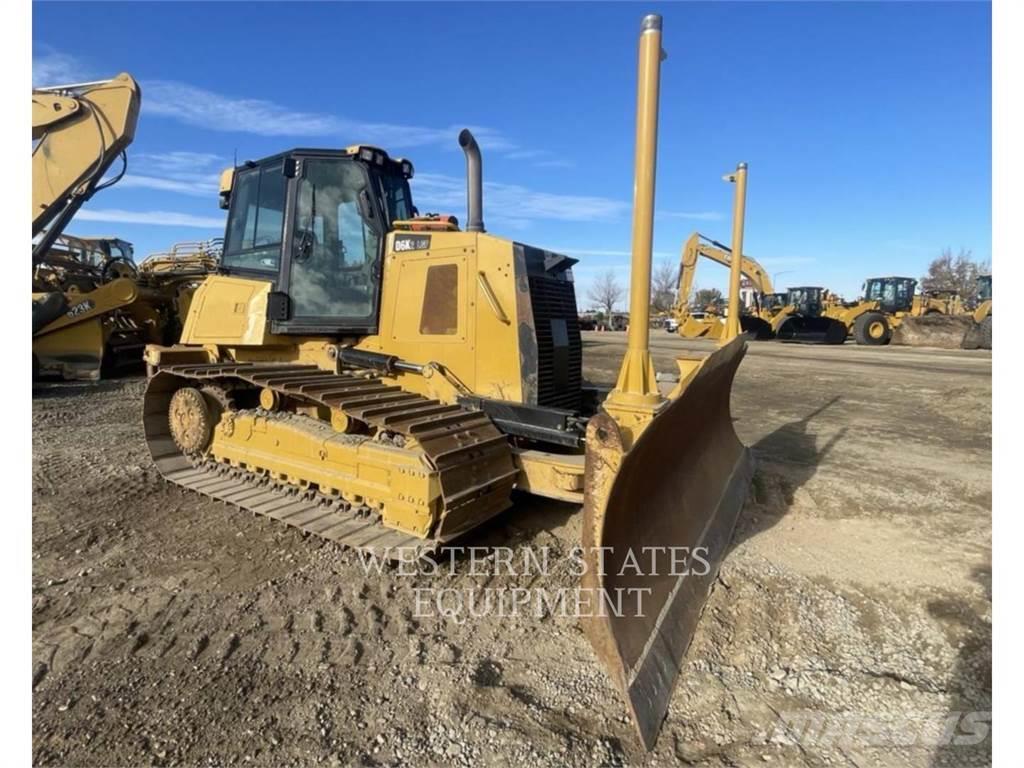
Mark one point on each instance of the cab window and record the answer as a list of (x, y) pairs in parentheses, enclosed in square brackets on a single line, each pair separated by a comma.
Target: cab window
[(256, 219), (397, 197), (336, 243)]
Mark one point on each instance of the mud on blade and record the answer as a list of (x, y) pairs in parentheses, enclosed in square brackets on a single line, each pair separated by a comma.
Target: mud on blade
[(681, 485)]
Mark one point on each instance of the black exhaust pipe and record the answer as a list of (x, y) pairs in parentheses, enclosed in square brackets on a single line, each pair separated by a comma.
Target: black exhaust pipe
[(474, 182)]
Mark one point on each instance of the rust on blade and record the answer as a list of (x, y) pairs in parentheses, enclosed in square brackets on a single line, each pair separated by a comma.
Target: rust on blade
[(681, 485)]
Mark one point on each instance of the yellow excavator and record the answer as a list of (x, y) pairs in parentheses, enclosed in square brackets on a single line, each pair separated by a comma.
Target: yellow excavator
[(385, 380), (712, 325), (90, 312)]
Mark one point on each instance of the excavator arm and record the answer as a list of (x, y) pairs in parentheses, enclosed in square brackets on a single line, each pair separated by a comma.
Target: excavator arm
[(698, 245), (77, 133)]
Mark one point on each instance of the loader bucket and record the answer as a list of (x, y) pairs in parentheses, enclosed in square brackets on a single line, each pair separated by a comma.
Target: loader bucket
[(758, 329), (681, 485)]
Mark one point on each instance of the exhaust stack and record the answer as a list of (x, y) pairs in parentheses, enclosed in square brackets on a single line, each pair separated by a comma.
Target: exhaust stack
[(474, 182)]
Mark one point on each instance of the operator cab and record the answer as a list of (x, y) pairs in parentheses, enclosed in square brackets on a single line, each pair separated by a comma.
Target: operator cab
[(806, 299), (774, 301), (893, 294), (984, 285), (314, 222)]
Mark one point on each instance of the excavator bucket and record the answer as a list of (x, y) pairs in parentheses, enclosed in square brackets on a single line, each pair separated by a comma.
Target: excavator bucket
[(658, 519)]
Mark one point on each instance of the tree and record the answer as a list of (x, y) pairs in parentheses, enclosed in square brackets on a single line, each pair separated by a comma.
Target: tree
[(705, 296), (663, 287), (606, 292), (953, 273)]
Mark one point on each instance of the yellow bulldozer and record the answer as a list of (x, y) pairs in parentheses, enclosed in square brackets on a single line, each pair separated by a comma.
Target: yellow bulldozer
[(92, 308), (386, 379)]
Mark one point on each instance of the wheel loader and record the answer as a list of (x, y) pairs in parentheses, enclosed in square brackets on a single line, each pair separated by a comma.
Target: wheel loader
[(887, 303), (982, 313), (386, 379), (91, 312), (805, 318)]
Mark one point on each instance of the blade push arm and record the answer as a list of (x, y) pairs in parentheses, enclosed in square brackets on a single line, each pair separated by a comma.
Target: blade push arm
[(77, 133)]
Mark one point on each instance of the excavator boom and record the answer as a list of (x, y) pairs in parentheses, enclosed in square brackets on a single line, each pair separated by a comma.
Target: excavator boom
[(77, 133), (698, 245)]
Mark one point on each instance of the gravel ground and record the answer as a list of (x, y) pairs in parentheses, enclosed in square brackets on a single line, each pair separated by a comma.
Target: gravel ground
[(852, 614)]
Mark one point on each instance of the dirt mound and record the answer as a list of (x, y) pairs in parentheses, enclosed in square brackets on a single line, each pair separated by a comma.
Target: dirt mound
[(942, 331)]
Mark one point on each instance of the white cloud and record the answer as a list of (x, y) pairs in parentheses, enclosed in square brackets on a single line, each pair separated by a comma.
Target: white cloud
[(434, 191), (571, 251), (50, 67), (539, 158), (202, 108), (205, 187), (692, 215), (183, 172), (787, 261), (213, 111), (156, 218), (525, 154), (180, 161), (555, 164)]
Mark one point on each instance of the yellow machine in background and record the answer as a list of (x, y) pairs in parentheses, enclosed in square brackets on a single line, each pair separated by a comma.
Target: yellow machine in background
[(886, 304), (81, 264), (983, 311), (80, 327), (712, 325), (980, 335), (805, 317), (177, 273), (385, 380), (92, 308)]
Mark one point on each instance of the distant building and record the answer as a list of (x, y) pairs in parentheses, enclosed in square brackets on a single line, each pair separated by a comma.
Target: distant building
[(747, 292)]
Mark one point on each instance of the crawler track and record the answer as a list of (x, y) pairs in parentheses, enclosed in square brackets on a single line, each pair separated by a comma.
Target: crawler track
[(470, 456)]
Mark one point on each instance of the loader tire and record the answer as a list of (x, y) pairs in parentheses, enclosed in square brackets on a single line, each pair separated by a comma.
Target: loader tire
[(986, 333), (872, 329)]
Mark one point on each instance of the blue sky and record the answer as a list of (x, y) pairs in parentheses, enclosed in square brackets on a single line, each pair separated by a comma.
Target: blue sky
[(867, 126)]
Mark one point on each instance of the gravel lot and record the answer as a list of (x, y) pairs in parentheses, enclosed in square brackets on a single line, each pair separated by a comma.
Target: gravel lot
[(172, 630)]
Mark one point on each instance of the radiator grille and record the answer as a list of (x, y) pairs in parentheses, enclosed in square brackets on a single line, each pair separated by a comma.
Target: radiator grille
[(559, 349)]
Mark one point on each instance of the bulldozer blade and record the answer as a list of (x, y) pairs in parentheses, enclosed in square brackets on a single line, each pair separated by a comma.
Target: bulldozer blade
[(658, 519)]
